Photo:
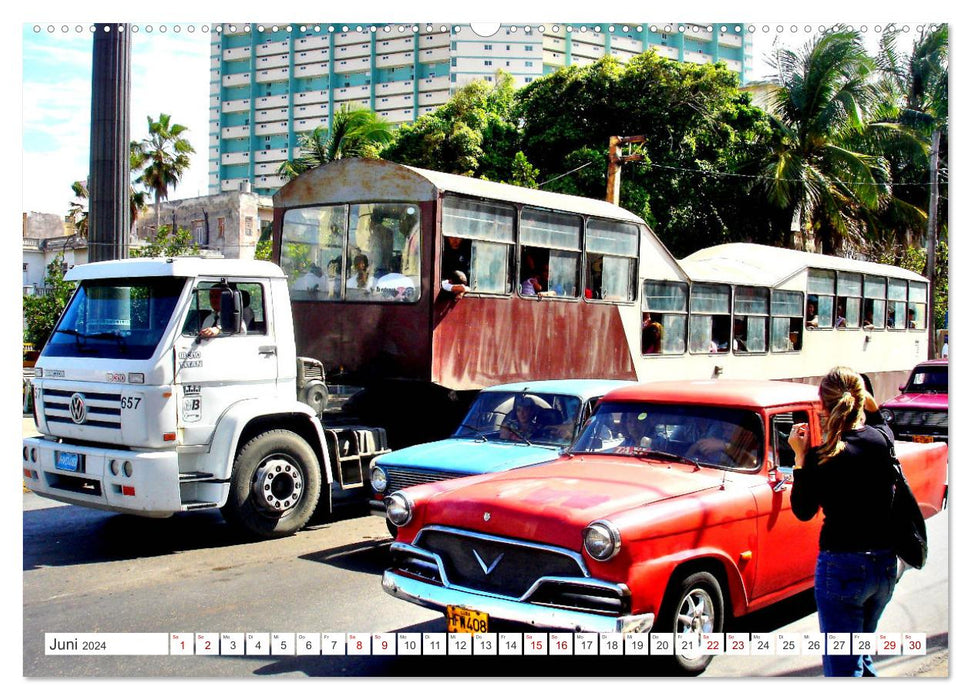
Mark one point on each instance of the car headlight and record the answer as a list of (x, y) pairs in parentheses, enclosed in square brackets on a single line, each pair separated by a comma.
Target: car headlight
[(379, 479), (400, 508), (601, 539), (887, 414)]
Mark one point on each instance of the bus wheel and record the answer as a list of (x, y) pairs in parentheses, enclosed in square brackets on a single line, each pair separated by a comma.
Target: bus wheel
[(693, 606), (275, 485)]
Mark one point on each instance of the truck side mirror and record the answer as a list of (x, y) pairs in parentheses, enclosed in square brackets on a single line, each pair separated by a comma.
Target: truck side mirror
[(230, 310)]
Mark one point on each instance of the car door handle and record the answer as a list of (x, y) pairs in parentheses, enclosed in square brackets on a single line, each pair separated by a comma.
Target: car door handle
[(267, 350)]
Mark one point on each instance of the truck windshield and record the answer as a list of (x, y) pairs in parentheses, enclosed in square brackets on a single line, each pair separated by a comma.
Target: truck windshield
[(706, 435), (118, 319)]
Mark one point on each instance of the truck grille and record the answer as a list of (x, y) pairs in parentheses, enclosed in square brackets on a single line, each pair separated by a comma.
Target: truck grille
[(103, 409), (493, 565)]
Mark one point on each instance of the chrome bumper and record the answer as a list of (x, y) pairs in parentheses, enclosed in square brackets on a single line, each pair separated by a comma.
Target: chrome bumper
[(438, 597)]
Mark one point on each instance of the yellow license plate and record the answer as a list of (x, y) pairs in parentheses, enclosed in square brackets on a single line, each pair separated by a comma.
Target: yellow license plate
[(465, 620), (923, 438)]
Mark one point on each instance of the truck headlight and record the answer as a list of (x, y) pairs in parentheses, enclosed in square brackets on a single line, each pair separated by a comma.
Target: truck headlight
[(379, 479), (601, 539), (400, 508), (887, 414)]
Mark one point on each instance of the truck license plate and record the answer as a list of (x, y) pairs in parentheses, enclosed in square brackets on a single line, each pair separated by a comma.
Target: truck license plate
[(465, 620), (923, 438), (68, 461)]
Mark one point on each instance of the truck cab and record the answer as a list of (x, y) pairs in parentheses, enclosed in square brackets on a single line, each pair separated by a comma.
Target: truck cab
[(171, 385)]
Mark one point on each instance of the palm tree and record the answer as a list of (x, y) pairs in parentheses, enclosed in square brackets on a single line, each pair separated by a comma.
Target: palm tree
[(354, 133), (164, 154), (78, 212), (821, 105)]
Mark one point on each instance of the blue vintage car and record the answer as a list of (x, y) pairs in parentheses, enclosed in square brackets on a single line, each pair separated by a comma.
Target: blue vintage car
[(508, 426)]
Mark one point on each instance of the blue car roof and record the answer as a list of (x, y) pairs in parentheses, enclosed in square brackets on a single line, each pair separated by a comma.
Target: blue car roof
[(584, 388)]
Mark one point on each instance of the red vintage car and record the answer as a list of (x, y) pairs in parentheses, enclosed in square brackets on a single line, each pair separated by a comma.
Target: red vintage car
[(669, 513)]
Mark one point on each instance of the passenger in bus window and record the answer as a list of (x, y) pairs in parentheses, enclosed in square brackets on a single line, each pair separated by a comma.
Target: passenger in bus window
[(360, 277), (457, 254), (652, 333), (911, 318), (812, 316), (456, 283), (891, 316), (380, 245), (738, 336), (841, 314)]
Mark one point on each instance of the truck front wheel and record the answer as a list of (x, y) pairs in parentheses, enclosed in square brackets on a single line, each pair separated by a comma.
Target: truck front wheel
[(275, 485)]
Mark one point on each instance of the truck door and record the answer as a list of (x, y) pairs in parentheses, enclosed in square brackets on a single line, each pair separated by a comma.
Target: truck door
[(213, 373), (786, 546)]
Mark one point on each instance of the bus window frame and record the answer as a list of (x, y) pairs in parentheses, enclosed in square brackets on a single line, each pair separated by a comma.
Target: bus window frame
[(842, 278), (712, 315), (766, 320), (510, 245), (663, 313), (633, 281), (797, 321), (522, 245), (870, 279), (904, 301)]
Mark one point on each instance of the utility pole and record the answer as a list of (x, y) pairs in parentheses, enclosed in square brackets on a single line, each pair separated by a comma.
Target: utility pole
[(615, 159), (109, 186), (932, 244)]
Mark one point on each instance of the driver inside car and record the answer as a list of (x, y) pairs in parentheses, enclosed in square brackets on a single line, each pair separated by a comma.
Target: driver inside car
[(526, 420)]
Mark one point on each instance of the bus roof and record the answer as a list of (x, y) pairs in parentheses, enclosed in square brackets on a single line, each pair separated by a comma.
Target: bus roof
[(750, 263), (362, 180), (174, 267)]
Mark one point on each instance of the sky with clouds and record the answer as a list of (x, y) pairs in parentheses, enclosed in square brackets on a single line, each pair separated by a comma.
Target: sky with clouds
[(170, 74)]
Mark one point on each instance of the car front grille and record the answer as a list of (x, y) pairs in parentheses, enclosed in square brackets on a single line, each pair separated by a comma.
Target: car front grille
[(403, 478), (493, 565)]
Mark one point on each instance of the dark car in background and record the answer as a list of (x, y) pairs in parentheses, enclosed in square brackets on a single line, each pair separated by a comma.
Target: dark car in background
[(919, 412)]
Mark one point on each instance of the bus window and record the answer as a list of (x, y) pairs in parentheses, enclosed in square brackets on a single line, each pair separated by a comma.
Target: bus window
[(750, 328), (896, 303), (822, 288), (874, 302), (787, 323), (312, 251), (709, 322), (849, 290), (665, 304), (917, 306), (486, 231), (382, 246), (611, 254), (550, 260)]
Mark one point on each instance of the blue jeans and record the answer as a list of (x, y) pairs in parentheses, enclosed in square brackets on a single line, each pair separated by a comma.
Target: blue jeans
[(852, 589)]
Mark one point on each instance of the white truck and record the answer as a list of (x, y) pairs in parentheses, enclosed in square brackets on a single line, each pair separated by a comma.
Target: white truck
[(172, 385)]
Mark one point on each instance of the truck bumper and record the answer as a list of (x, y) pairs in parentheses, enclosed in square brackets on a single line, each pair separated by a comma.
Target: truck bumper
[(122, 481), (439, 598)]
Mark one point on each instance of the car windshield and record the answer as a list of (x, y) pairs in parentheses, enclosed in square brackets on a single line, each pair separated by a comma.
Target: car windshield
[(704, 435), (524, 417), (116, 319), (928, 380)]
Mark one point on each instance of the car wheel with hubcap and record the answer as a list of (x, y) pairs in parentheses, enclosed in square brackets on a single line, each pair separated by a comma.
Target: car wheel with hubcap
[(695, 606)]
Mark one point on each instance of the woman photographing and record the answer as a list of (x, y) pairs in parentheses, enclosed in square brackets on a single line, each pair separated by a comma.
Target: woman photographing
[(849, 476)]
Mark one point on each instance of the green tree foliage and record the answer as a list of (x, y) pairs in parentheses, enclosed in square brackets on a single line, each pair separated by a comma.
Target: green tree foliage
[(915, 259), (163, 158), (165, 244), (704, 140), (41, 312), (472, 134), (355, 133)]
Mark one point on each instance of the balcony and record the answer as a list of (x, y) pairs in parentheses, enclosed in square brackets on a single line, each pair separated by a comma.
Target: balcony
[(394, 88), (310, 97), (238, 53), (273, 128), (272, 115), (235, 158), (275, 75), (273, 47), (271, 154), (264, 62), (312, 42), (319, 56), (236, 132), (270, 101), (235, 106), (428, 41), (395, 60), (236, 79)]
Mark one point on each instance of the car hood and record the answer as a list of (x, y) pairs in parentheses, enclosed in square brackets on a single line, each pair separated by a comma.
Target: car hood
[(468, 456), (918, 401), (554, 502)]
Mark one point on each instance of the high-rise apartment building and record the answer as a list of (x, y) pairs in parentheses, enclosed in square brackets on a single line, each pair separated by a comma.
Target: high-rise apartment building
[(269, 84)]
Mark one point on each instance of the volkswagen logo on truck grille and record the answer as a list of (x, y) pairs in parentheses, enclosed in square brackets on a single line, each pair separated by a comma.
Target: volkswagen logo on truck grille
[(79, 413)]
